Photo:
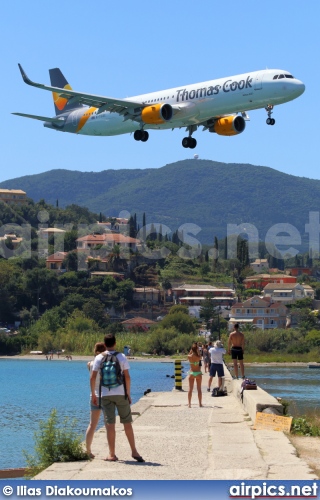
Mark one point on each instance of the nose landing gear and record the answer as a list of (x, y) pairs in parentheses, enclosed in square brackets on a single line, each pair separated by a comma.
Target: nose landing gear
[(270, 121)]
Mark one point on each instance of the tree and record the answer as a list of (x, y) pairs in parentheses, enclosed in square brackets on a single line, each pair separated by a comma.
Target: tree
[(225, 250), (243, 252), (70, 262), (94, 309), (215, 254), (144, 227), (70, 238), (180, 321), (179, 308), (313, 337), (210, 314), (125, 290), (204, 269)]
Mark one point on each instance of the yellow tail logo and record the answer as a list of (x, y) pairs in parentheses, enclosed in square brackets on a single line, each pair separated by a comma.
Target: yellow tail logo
[(60, 102)]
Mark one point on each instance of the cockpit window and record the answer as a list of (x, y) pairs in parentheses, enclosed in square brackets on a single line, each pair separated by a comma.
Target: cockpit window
[(289, 76), (281, 76), (275, 77)]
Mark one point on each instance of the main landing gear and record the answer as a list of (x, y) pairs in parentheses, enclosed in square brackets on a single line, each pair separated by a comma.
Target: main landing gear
[(141, 135), (270, 121), (190, 142)]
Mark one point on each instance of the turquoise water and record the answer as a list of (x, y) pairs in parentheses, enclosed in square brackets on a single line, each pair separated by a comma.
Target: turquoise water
[(300, 385), (31, 389)]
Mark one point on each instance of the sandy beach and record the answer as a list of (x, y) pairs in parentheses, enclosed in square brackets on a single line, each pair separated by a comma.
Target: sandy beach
[(158, 359), (41, 357)]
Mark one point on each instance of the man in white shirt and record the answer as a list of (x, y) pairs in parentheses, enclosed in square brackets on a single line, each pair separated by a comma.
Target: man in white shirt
[(216, 355), (116, 397)]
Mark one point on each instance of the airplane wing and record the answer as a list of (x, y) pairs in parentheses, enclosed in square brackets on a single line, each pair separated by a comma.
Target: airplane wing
[(110, 104), (55, 120)]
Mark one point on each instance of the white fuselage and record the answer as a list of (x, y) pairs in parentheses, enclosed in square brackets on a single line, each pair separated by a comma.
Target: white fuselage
[(194, 104)]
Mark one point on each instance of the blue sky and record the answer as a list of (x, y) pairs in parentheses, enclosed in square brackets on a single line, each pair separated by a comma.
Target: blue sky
[(126, 48)]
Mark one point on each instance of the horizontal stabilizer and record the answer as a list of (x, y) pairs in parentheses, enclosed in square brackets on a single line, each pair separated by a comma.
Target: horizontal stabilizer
[(55, 120)]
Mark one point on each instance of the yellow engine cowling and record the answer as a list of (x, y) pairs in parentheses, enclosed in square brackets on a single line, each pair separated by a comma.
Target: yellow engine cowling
[(156, 114), (229, 125)]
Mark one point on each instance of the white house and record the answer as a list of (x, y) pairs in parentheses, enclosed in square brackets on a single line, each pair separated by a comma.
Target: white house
[(260, 312), (287, 293)]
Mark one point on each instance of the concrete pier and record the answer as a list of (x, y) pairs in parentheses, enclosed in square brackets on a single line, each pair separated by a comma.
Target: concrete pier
[(216, 441)]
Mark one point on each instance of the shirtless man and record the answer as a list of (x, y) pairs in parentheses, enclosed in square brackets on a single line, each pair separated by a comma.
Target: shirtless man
[(236, 349)]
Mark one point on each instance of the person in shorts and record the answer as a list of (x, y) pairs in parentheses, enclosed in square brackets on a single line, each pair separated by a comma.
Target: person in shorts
[(216, 368), (95, 410), (115, 398), (236, 349)]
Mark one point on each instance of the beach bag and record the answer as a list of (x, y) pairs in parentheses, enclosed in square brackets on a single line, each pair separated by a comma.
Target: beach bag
[(111, 375), (249, 384), (216, 392)]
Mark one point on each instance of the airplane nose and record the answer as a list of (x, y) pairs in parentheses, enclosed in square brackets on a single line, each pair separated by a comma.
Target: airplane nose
[(300, 87)]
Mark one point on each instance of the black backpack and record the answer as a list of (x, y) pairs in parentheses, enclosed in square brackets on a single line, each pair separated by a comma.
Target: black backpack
[(216, 392)]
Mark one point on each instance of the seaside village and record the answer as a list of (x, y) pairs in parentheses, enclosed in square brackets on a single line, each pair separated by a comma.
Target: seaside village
[(255, 299)]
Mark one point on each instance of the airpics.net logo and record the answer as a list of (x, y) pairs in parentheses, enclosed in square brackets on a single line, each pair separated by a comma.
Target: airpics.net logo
[(281, 241), (267, 490)]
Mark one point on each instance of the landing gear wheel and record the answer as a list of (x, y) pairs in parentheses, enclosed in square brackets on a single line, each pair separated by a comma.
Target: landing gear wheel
[(138, 135), (269, 121), (145, 136), (189, 142), (185, 142)]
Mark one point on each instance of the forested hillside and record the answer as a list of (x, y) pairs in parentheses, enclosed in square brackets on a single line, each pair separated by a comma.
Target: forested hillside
[(203, 192)]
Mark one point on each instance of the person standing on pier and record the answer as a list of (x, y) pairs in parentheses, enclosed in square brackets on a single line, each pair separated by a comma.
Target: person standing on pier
[(236, 349), (195, 373), (95, 409), (216, 368), (115, 397)]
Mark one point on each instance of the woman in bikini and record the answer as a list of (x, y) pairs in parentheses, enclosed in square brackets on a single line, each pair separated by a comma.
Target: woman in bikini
[(195, 373)]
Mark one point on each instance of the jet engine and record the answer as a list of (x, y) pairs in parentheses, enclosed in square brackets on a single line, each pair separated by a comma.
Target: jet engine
[(229, 125), (156, 114)]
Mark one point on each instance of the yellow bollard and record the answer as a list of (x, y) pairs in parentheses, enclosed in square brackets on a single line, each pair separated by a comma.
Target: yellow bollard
[(178, 374)]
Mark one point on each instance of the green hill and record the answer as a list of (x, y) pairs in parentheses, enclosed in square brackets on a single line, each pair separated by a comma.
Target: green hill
[(202, 192)]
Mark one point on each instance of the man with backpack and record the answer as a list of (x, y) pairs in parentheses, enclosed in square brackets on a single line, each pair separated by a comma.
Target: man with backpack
[(115, 382)]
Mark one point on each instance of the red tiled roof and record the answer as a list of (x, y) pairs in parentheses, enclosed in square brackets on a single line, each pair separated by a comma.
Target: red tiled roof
[(57, 257)]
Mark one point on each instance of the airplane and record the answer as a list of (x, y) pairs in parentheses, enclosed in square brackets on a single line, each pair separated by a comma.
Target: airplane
[(219, 106)]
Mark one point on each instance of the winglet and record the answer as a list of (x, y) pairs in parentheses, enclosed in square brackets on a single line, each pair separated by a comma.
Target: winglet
[(24, 76)]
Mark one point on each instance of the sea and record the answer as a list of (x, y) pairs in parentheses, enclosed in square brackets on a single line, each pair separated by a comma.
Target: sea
[(30, 389), (299, 385)]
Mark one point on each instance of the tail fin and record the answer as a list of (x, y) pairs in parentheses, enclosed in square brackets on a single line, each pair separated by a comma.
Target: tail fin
[(61, 104)]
